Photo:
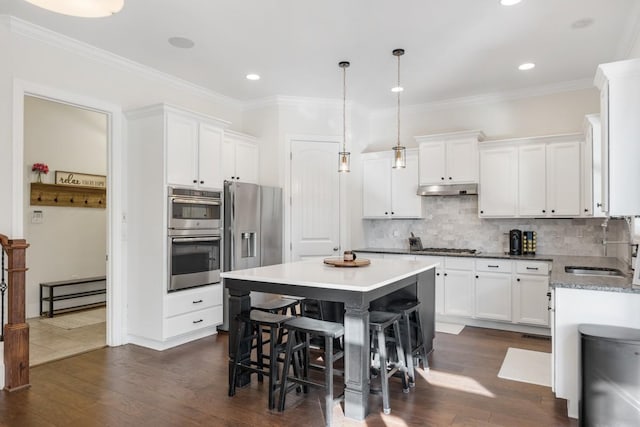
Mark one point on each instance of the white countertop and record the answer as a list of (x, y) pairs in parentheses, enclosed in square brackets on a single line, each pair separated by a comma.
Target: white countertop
[(315, 273)]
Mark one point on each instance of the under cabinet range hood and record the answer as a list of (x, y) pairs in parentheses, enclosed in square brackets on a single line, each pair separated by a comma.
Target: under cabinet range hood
[(447, 190)]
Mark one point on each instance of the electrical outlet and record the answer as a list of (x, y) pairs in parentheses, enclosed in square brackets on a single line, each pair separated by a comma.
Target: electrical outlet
[(37, 217), (395, 233)]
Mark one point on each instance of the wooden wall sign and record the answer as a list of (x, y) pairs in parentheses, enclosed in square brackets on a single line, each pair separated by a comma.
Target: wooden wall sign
[(81, 179)]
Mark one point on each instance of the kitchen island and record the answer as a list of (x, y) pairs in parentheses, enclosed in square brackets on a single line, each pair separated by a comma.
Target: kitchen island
[(358, 288)]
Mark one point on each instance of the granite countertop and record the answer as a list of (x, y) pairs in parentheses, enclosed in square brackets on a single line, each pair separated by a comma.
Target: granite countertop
[(559, 278)]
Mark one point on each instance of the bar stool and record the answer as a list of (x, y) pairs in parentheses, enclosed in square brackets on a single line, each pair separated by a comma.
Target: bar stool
[(250, 330), (279, 306), (412, 338), (379, 322), (301, 329)]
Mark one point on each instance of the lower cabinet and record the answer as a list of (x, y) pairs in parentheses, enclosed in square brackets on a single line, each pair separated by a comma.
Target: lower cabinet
[(191, 310), (530, 293), (493, 296), (458, 286)]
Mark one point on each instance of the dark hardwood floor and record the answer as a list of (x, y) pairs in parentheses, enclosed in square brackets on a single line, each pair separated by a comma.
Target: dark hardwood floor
[(187, 386)]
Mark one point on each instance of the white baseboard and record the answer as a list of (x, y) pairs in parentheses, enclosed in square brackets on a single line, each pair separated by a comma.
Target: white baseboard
[(172, 342), (514, 327)]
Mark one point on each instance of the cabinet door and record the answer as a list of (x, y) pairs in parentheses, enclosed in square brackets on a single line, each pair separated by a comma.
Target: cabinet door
[(439, 291), (405, 203), (604, 147), (498, 178), (182, 145), (209, 157), (376, 188), (432, 163), (458, 293), (563, 178), (493, 296), (462, 161), (247, 162), (531, 300), (532, 186), (228, 159)]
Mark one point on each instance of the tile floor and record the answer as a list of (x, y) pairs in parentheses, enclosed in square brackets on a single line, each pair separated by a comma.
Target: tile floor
[(48, 343)]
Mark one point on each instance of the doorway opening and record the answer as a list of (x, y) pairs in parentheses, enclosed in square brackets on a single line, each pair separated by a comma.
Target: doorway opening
[(65, 222)]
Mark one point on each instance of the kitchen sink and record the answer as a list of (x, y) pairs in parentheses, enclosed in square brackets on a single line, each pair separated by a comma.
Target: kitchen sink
[(594, 271)]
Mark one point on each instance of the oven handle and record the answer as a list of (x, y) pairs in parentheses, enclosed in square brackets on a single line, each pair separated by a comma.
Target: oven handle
[(212, 202), (195, 239)]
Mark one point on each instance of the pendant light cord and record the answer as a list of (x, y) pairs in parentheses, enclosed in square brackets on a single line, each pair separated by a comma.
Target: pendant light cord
[(344, 109), (398, 100)]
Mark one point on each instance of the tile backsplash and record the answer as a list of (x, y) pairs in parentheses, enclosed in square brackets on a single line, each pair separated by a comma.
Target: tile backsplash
[(452, 222)]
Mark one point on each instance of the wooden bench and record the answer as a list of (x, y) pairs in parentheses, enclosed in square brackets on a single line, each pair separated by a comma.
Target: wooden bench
[(51, 296)]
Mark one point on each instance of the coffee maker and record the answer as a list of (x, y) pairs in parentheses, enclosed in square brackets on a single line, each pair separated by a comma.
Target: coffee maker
[(515, 242)]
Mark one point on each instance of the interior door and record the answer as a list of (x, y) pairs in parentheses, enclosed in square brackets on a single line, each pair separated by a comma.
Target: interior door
[(315, 199)]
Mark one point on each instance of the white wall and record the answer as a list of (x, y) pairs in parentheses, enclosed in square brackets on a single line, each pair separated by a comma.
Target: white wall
[(71, 241)]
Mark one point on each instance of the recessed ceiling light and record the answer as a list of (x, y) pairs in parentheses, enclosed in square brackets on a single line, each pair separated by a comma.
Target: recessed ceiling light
[(253, 77), (181, 42), (582, 23), (397, 89), (509, 2), (526, 66)]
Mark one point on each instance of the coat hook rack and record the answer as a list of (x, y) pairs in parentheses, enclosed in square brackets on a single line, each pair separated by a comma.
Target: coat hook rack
[(67, 195)]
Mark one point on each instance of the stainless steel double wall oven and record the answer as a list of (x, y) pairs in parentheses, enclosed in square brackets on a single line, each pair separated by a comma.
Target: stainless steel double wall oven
[(194, 237)]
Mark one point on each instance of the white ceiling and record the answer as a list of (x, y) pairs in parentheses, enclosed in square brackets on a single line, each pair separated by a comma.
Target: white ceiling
[(454, 48)]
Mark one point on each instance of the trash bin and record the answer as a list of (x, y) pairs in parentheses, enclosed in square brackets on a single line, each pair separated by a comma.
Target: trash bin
[(610, 374)]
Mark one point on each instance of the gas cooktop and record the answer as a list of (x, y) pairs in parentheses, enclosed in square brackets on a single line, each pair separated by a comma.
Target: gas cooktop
[(448, 250)]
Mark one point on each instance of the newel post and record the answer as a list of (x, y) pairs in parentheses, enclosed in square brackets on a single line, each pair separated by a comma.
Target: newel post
[(16, 331)]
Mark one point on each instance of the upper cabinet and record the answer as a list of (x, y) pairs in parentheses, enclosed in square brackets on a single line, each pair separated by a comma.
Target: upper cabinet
[(240, 157), (619, 84), (592, 169), (388, 192), (194, 149), (449, 158), (531, 177)]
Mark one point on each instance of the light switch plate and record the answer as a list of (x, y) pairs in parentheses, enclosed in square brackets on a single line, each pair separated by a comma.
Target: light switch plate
[(37, 217)]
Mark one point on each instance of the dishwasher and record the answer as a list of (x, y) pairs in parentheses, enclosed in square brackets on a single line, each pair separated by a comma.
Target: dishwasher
[(610, 374)]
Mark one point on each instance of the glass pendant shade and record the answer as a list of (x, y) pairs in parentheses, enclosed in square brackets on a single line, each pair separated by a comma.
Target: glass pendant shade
[(344, 161), (81, 8), (399, 157), (344, 157)]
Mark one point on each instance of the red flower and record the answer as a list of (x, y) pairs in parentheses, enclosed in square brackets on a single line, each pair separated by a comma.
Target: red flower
[(40, 167)]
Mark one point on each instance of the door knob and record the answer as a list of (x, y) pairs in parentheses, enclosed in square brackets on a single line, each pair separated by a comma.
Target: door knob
[(336, 248)]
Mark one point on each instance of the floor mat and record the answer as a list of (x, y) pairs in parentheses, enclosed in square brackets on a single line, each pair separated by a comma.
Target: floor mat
[(449, 328), (526, 366), (77, 320)]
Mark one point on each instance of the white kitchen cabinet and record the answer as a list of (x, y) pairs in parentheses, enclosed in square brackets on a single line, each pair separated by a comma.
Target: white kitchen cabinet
[(592, 167), (240, 157), (193, 151), (620, 131), (498, 191), (531, 177), (387, 192), (563, 179), (493, 289), (458, 286), (449, 158), (530, 293), (167, 138)]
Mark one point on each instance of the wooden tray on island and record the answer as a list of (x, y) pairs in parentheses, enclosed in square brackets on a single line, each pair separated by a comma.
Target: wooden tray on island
[(339, 262)]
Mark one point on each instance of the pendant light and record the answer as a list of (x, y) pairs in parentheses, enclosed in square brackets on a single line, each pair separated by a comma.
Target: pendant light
[(399, 152), (344, 155), (81, 8)]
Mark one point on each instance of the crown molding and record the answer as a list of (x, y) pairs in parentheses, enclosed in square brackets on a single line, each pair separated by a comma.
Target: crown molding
[(490, 98), (44, 35)]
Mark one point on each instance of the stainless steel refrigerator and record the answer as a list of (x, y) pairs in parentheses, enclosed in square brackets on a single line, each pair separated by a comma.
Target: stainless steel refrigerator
[(252, 226)]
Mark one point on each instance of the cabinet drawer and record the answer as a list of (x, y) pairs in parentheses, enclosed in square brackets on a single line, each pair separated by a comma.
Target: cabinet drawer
[(458, 263), (532, 267), (193, 321), (182, 302), (495, 265)]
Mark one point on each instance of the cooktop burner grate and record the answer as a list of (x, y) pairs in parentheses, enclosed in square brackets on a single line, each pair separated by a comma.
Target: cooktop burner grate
[(449, 250)]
